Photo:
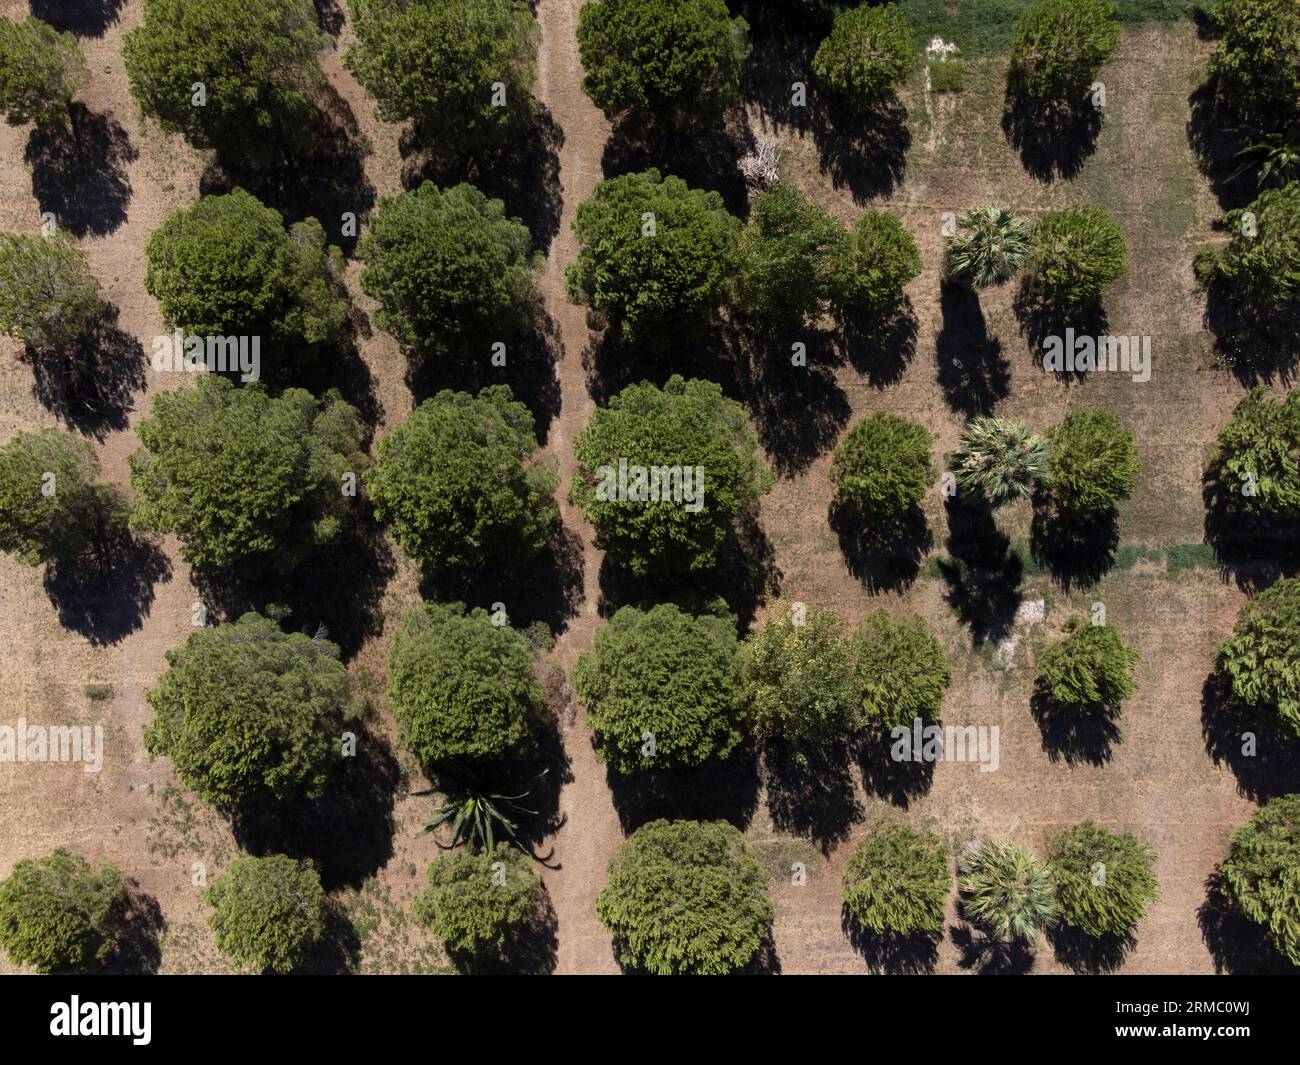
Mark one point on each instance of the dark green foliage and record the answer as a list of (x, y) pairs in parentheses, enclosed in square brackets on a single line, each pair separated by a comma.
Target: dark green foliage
[(256, 62), (1008, 892), (1257, 62), (475, 815), (438, 62), (654, 255), (1090, 667), (873, 263), (686, 898), (1261, 875), (246, 480), (897, 881), (477, 903), (785, 257), (458, 482), (882, 467), (1260, 264), (1261, 659), (462, 688), (59, 915), (1059, 47), (902, 673), (48, 296), (227, 267), (267, 913), (797, 678), (660, 687), (1104, 880), (867, 55), (38, 527), (686, 424), (658, 58), (452, 272), (1259, 453), (1093, 464), (246, 711), (40, 71), (1075, 256), (947, 75)]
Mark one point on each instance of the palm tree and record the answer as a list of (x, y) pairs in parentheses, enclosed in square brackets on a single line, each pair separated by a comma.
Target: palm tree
[(1008, 891), (1277, 155), (478, 816), (990, 245), (999, 459)]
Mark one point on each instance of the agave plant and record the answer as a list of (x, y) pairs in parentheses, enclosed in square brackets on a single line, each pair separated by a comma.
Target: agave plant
[(476, 815), (1277, 156), (990, 245), (999, 459), (1008, 891)]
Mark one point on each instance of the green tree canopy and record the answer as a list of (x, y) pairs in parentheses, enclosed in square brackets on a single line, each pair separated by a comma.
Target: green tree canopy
[(686, 898), (453, 274), (873, 264), (867, 55), (267, 913), (59, 915), (462, 688), (1261, 659), (226, 266), (51, 508), (1104, 880), (458, 482), (1058, 48), (1260, 264), (901, 671), (797, 678), (477, 903), (688, 426), (243, 478), (999, 459), (990, 244), (882, 467), (656, 58), (1077, 253), (897, 881), (654, 255), (1093, 464), (660, 689), (1008, 891), (246, 711), (255, 66), (1261, 875), (1257, 62), (40, 71), (1259, 453), (48, 296), (1091, 666), (439, 63)]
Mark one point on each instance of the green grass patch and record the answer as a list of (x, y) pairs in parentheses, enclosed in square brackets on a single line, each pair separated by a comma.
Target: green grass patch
[(947, 75)]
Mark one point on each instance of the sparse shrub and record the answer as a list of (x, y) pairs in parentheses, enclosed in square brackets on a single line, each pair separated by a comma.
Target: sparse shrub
[(59, 915), (947, 75), (247, 711), (1076, 254), (1059, 47), (991, 243), (660, 686), (1261, 659), (459, 483), (40, 71), (867, 55), (882, 467), (267, 913), (999, 459), (872, 265), (897, 881), (1008, 891), (654, 255), (1257, 62), (1093, 464), (477, 903), (462, 688), (901, 671), (1256, 457), (686, 898), (1104, 880), (785, 257), (48, 296), (1261, 875)]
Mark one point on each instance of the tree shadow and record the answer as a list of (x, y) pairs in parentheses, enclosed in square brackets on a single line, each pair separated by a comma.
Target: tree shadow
[(1075, 734), (1262, 755), (524, 174), (340, 367), (972, 371), (813, 797), (529, 951), (881, 348), (137, 949), (329, 13), (1053, 140), (883, 555), (79, 171), (327, 181), (1238, 945), (725, 790), (1078, 549), (338, 951), (983, 574), (783, 42), (1090, 955), (1253, 549), (347, 831), (890, 953), (105, 594), (989, 956), (864, 151), (1041, 318), (1217, 132), (90, 386), (85, 18), (1257, 343), (897, 782), (719, 351)]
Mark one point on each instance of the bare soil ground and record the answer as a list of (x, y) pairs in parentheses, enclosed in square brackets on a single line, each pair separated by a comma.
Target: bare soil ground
[(1157, 777)]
